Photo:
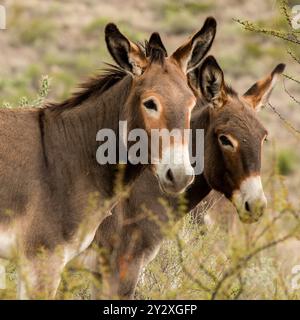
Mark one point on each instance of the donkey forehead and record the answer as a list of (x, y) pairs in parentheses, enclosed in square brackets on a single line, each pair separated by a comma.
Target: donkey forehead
[(167, 80), (241, 122)]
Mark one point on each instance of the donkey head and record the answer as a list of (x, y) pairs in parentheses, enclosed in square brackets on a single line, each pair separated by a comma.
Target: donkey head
[(160, 98), (234, 139)]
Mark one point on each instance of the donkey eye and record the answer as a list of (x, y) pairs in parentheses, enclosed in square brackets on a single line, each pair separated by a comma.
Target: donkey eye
[(150, 105), (225, 141)]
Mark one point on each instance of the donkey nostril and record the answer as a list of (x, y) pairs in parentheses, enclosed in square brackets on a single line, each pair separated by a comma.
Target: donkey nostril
[(247, 207), (170, 176)]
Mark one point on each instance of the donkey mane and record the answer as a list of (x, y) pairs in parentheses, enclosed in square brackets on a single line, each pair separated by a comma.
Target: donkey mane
[(109, 76), (230, 90), (97, 84)]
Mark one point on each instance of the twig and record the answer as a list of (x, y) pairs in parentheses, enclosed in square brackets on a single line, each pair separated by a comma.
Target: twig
[(184, 269), (291, 78), (289, 37), (289, 94), (284, 8), (244, 260), (293, 56), (286, 122), (241, 289)]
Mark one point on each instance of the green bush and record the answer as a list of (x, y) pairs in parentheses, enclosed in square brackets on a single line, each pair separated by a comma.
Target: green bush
[(286, 162), (36, 29)]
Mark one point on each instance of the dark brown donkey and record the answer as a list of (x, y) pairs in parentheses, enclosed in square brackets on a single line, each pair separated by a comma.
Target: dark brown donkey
[(53, 192), (232, 159)]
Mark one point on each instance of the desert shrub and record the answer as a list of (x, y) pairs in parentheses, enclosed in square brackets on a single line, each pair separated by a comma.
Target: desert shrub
[(286, 162), (179, 23), (191, 6), (36, 29), (96, 28)]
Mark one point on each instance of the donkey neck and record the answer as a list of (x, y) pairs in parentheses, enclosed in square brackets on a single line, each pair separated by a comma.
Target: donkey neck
[(200, 188), (69, 135)]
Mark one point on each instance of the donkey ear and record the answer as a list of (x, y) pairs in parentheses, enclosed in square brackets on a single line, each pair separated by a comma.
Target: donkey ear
[(211, 82), (259, 93), (190, 54), (155, 43), (127, 54)]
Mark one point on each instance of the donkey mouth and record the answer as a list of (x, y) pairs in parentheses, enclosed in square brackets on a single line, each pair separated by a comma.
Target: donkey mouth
[(169, 190), (250, 200), (250, 214), (174, 189), (248, 219), (247, 214)]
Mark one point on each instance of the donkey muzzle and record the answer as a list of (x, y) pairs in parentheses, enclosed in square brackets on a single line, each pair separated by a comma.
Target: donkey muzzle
[(250, 200), (174, 171)]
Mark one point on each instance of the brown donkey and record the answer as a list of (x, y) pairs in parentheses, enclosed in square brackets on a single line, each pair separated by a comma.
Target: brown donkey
[(53, 192), (233, 141)]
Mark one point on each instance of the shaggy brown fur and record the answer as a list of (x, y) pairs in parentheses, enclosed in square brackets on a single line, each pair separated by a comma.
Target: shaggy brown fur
[(53, 192), (138, 235)]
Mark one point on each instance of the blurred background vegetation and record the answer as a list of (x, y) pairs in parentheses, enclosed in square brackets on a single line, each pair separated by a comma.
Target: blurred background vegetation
[(64, 40)]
